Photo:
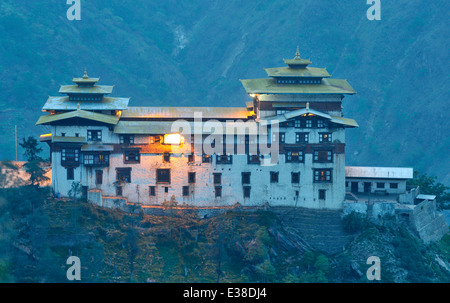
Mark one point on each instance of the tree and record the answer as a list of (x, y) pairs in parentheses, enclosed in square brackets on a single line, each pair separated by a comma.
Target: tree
[(36, 172), (33, 166), (32, 149), (429, 185)]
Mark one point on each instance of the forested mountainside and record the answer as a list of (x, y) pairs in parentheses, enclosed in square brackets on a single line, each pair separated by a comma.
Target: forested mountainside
[(193, 53), (38, 234)]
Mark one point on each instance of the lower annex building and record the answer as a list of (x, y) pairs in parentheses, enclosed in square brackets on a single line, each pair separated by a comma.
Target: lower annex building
[(221, 156)]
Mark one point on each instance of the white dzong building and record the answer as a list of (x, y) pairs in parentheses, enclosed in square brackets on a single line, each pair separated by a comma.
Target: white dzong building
[(139, 154)]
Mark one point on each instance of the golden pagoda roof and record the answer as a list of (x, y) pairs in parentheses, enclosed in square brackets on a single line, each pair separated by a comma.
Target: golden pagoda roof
[(270, 86), (107, 103), (107, 119)]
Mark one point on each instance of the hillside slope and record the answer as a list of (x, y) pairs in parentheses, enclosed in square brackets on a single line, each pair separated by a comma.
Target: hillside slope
[(39, 234), (193, 53)]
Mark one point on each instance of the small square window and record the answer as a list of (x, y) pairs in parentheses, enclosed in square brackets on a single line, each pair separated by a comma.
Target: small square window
[(282, 137), (127, 139), (94, 135), (218, 191), (99, 177), (185, 191), (245, 178), (274, 177), (322, 193), (152, 191), (295, 178), (191, 158), (166, 157), (247, 191), (119, 191), (123, 175), (70, 173), (191, 177), (206, 158), (393, 185), (217, 178)]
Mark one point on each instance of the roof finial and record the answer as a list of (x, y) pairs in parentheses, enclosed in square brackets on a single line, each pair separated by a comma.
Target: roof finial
[(78, 106), (297, 54), (85, 76), (307, 105)]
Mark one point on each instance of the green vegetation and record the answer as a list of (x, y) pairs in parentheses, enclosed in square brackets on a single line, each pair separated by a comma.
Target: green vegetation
[(429, 185), (38, 234), (354, 222)]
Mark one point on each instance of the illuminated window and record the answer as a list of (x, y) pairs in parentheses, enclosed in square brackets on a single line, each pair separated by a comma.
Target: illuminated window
[(298, 123), (320, 123), (308, 123), (322, 175), (294, 156), (206, 158), (324, 137)]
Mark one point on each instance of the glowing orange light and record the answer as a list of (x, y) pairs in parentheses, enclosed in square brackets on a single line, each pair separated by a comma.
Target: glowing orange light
[(46, 135), (173, 139)]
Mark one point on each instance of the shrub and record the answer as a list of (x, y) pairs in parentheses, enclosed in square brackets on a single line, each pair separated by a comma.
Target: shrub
[(354, 222)]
